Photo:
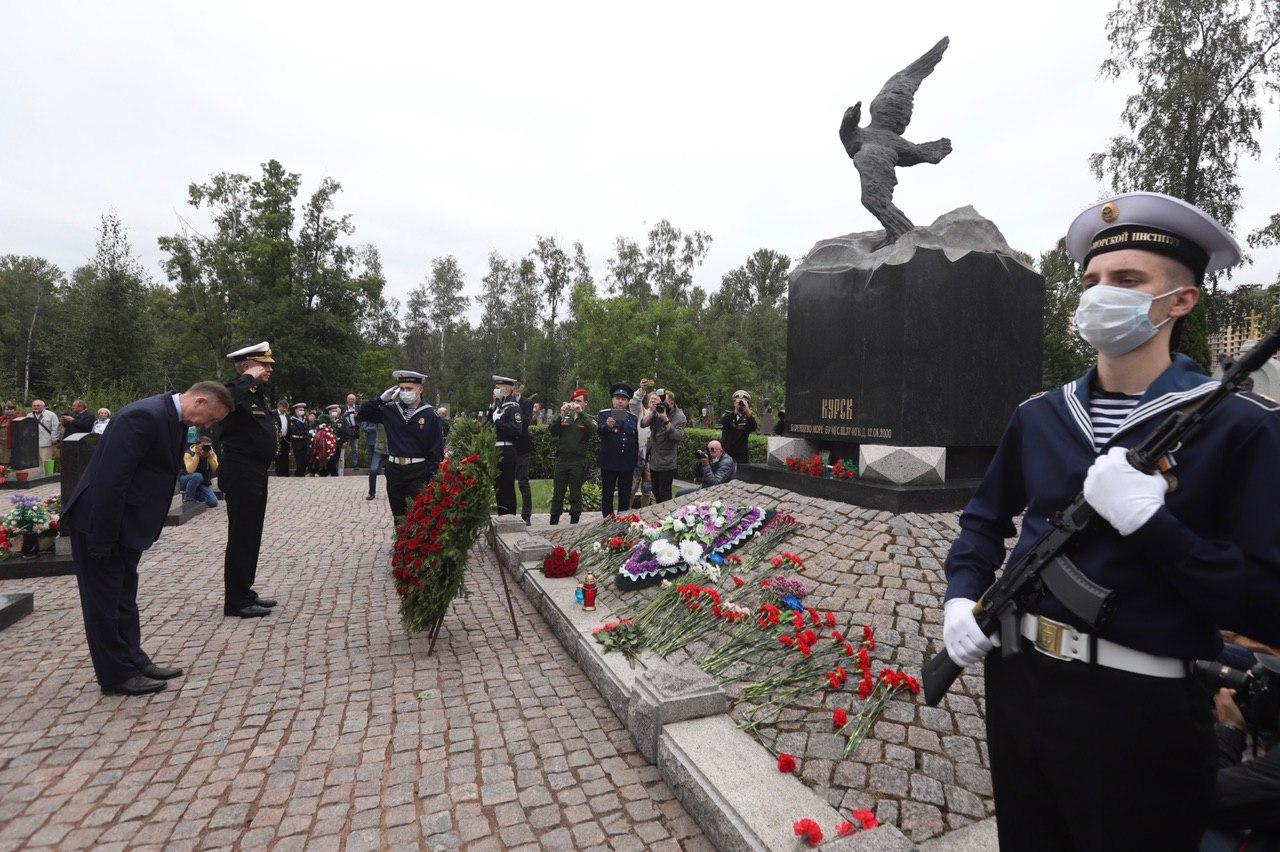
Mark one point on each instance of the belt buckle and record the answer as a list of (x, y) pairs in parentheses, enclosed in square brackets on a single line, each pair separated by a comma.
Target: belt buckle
[(1049, 636)]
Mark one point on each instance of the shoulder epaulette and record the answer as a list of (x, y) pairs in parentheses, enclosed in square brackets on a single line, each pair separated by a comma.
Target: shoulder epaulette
[(1261, 400)]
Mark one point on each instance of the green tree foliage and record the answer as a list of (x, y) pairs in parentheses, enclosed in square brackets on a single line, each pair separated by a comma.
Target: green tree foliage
[(1202, 67), (1066, 355), (30, 290)]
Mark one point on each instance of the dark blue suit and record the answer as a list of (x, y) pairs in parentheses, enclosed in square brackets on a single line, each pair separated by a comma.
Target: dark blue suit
[(121, 501)]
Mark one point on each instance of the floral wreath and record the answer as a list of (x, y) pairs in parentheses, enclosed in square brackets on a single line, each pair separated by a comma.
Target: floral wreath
[(693, 535)]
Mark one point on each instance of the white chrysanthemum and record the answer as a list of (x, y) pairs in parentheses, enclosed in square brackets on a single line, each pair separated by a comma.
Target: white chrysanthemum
[(712, 572), (677, 525), (666, 553), (717, 505), (596, 547), (690, 552)]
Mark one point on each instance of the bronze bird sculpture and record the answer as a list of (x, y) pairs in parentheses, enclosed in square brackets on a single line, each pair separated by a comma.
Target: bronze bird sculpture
[(879, 148)]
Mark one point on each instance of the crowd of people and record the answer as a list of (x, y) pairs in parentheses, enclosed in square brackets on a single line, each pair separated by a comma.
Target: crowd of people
[(51, 429)]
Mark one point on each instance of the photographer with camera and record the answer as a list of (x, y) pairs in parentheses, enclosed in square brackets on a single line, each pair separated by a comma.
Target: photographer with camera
[(666, 422), (572, 431), (736, 426), (1247, 793), (714, 466), (200, 463)]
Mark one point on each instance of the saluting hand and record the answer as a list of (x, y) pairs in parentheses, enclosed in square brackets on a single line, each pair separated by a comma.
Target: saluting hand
[(390, 393), (256, 371)]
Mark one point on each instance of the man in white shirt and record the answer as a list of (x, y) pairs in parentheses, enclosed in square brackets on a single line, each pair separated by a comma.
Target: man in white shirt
[(49, 431)]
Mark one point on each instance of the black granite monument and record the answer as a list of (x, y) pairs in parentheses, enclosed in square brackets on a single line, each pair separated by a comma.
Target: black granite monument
[(76, 451), (26, 444), (930, 342)]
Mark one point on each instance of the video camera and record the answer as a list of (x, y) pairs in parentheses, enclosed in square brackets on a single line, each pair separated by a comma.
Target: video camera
[(661, 407), (1257, 690)]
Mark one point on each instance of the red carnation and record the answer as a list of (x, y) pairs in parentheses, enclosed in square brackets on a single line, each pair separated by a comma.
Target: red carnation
[(867, 819), (864, 687), (786, 763), (844, 829), (839, 718), (809, 830), (738, 582)]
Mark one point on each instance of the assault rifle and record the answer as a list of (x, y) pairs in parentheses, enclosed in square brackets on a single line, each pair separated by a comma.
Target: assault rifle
[(1047, 566)]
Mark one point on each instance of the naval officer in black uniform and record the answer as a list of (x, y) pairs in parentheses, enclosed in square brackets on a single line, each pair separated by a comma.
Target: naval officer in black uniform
[(248, 438), (415, 444), (1101, 741), (508, 423), (619, 450)]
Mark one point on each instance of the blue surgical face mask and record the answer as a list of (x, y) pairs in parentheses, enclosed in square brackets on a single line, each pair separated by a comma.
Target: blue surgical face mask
[(1117, 320)]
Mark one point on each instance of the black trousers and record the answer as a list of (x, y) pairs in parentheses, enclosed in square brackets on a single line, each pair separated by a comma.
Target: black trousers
[(404, 481), (300, 449), (568, 474), (1090, 758), (109, 603), (246, 490), (506, 482), (522, 479), (282, 459), (331, 467), (662, 481), (615, 482)]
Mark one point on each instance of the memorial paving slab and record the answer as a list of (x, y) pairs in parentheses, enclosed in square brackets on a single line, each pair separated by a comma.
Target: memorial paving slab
[(321, 726)]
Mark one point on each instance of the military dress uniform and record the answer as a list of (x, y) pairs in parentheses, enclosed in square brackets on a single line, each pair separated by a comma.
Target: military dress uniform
[(415, 445), (282, 443), (508, 424), (1102, 741), (248, 439), (572, 431), (299, 438), (524, 458), (619, 451)]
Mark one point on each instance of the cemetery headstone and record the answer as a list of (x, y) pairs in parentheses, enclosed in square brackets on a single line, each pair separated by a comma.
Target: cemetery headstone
[(26, 444), (76, 451)]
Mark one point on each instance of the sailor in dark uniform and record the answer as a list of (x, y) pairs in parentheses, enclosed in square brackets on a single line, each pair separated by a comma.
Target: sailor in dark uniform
[(508, 423), (282, 438), (619, 450), (415, 445), (248, 438), (299, 438), (1101, 741)]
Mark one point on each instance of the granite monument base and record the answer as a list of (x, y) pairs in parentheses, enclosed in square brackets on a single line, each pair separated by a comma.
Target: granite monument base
[(950, 496), (26, 444), (76, 451), (15, 607), (57, 563), (35, 476), (180, 512)]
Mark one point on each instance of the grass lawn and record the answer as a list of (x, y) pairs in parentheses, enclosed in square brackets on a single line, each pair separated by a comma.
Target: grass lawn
[(541, 489)]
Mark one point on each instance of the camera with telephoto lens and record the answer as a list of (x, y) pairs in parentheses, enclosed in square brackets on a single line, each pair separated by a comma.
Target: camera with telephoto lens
[(1257, 690)]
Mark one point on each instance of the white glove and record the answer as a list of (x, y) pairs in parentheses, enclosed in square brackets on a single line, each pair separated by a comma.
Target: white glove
[(390, 393), (1121, 494), (964, 640)]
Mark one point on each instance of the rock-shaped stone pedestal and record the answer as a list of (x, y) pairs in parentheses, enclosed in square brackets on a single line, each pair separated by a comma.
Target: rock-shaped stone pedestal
[(903, 465)]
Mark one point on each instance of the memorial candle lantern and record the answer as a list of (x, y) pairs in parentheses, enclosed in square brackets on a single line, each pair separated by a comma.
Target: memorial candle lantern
[(588, 590)]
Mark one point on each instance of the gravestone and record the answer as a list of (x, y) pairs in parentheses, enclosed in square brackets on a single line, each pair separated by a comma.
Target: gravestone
[(931, 341), (76, 451), (26, 444)]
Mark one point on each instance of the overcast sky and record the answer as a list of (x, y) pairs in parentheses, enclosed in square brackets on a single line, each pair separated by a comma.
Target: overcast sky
[(463, 128)]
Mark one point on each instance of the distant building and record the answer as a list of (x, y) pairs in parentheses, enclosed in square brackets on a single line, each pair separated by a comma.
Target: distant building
[(1229, 342)]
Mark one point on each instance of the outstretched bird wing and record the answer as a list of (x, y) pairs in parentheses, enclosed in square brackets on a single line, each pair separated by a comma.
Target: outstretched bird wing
[(876, 165), (891, 109)]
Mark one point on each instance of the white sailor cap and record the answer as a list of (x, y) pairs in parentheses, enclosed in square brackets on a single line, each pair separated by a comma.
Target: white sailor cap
[(258, 352), (503, 380), (298, 405), (409, 376), (741, 394), (1155, 222)]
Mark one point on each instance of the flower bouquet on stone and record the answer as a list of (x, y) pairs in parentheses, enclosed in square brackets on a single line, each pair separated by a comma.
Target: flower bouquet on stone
[(875, 694), (560, 563), (815, 467), (686, 538), (29, 514), (621, 635)]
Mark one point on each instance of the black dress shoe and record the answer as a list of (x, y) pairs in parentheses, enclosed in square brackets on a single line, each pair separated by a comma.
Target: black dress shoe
[(161, 672), (247, 611), (369, 496), (264, 602), (136, 685)]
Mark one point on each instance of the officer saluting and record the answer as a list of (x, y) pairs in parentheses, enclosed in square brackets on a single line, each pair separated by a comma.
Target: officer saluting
[(508, 422), (415, 445), (248, 439), (619, 450), (1101, 741)]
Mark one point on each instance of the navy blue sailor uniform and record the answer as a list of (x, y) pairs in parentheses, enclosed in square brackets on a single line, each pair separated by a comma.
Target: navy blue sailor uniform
[(1209, 559), (1098, 741), (415, 448), (508, 423), (619, 453)]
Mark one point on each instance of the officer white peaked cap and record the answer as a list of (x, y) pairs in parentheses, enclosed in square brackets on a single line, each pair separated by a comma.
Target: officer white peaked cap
[(741, 393), (1159, 211), (409, 376), (298, 405), (257, 352), (503, 380)]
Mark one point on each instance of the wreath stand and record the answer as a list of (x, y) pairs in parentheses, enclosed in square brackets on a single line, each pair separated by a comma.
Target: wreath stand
[(433, 632)]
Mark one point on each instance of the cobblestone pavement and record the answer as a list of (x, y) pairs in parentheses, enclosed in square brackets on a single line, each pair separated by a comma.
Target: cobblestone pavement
[(924, 769), (323, 725)]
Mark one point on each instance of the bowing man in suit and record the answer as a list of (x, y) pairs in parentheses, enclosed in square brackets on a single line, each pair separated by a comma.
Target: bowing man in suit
[(117, 511)]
